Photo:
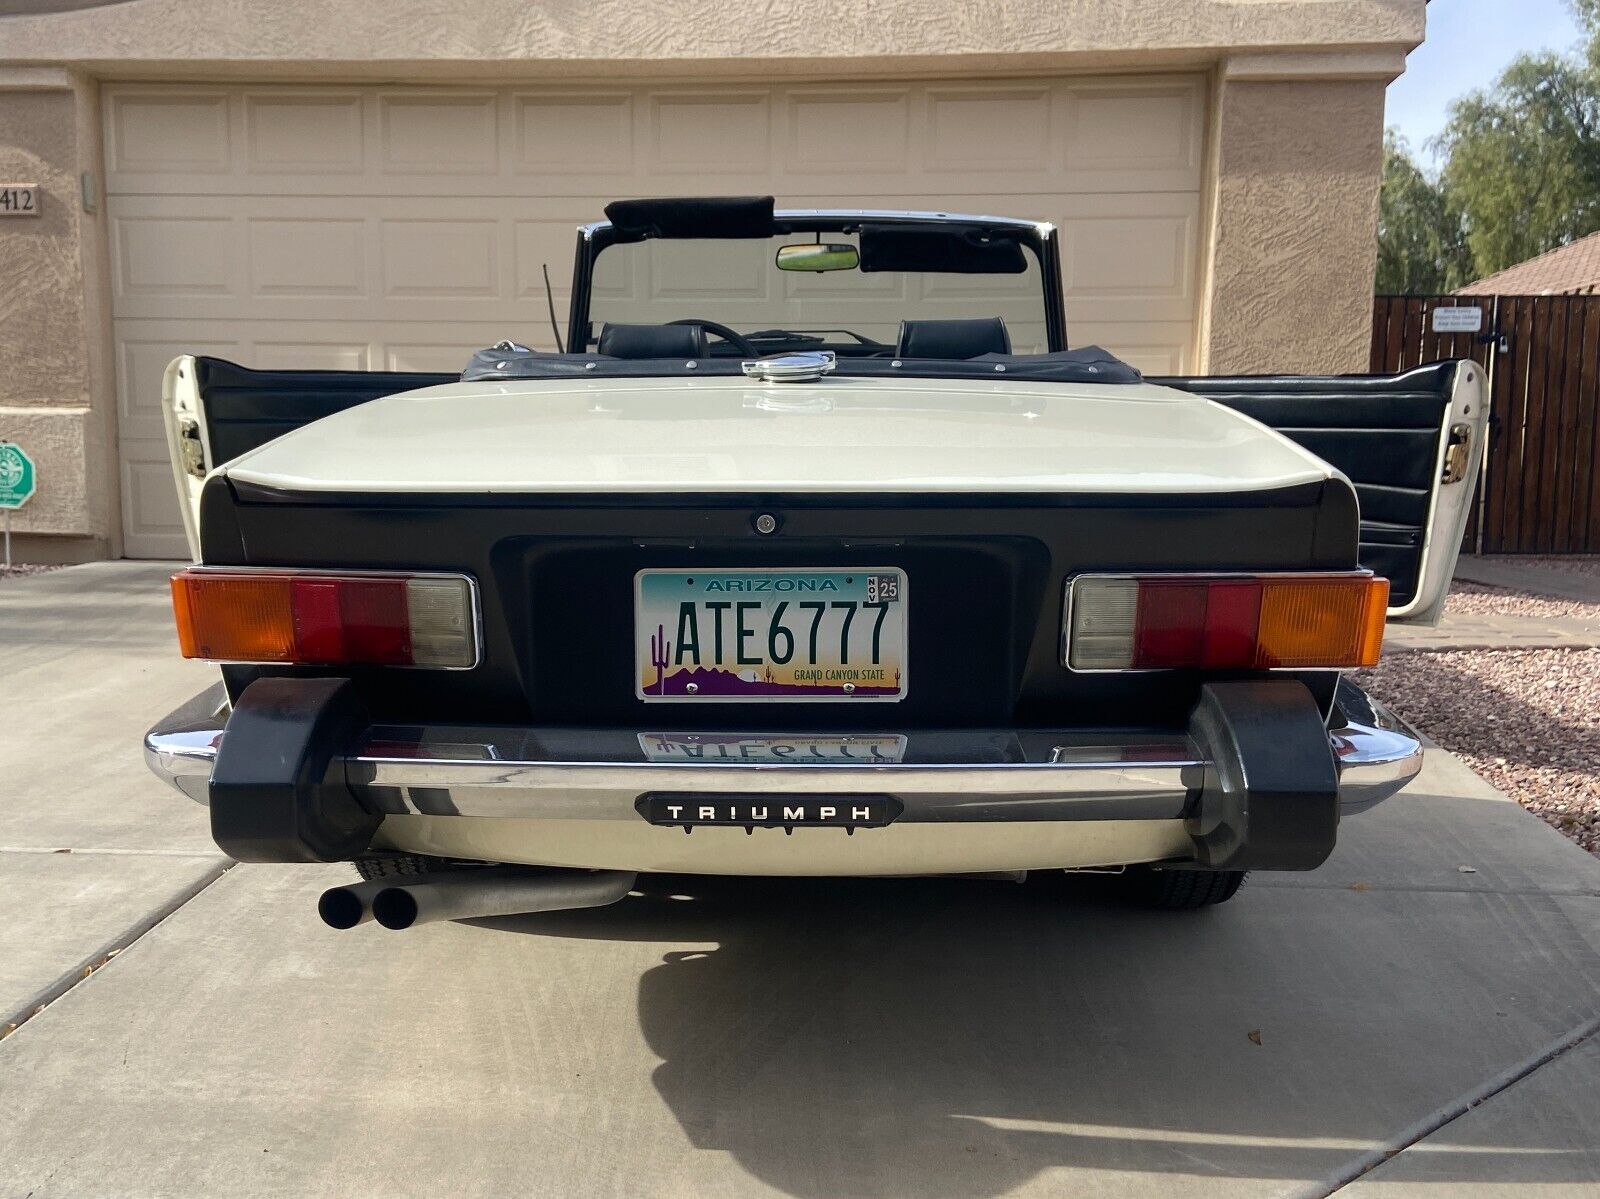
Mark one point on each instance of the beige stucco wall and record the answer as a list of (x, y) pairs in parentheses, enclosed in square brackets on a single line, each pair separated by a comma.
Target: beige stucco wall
[(54, 400), (1294, 226), (1295, 136), (659, 37)]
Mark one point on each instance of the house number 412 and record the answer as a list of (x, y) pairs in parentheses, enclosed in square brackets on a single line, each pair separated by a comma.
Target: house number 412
[(19, 199)]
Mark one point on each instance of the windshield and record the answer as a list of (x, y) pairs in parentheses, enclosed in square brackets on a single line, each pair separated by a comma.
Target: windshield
[(737, 283)]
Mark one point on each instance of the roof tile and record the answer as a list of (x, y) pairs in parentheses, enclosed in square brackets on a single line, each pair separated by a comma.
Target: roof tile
[(1572, 269)]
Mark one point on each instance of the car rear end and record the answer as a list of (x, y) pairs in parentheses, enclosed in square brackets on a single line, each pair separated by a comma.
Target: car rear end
[(956, 681)]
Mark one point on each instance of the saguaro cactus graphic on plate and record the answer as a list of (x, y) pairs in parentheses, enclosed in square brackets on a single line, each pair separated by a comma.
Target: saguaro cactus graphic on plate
[(660, 648)]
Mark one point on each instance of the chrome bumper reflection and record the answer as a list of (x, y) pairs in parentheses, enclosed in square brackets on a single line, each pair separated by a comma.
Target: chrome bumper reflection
[(182, 747), (943, 776), (1377, 755)]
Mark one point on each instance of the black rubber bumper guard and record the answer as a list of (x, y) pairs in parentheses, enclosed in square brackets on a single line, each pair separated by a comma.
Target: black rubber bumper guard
[(1269, 800), (276, 794)]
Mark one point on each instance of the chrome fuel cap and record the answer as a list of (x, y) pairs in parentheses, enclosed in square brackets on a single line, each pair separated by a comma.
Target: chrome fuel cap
[(803, 366)]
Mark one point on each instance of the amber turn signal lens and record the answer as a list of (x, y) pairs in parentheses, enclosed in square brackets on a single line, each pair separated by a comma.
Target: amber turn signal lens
[(1322, 623), (232, 619)]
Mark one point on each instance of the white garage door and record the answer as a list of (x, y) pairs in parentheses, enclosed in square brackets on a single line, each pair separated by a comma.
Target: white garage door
[(402, 228)]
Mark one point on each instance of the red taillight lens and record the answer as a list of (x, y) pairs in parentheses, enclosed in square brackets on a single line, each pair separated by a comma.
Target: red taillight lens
[(1320, 621), (325, 619)]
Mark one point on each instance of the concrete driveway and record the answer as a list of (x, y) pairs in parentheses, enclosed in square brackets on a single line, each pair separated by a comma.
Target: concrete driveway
[(730, 1038)]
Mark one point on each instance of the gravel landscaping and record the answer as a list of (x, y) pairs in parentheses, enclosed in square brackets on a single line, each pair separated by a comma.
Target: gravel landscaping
[(1567, 564), (20, 569), (1478, 599), (1526, 720)]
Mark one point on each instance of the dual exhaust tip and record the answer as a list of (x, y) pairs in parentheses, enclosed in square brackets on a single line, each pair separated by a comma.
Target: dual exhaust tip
[(470, 894)]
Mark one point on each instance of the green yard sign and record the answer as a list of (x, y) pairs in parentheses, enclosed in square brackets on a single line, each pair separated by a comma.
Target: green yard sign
[(17, 482), (17, 476)]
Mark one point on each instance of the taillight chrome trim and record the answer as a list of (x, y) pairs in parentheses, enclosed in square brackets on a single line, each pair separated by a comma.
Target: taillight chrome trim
[(474, 605), (1187, 576)]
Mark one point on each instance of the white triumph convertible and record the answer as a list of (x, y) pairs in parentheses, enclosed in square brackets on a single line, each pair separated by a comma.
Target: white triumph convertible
[(812, 549)]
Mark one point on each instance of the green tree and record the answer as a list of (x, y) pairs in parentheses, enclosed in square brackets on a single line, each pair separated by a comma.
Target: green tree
[(1521, 174), (1523, 158), (1588, 14), (1422, 247)]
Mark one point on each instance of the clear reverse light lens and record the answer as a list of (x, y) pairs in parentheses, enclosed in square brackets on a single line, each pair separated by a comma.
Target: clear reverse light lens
[(441, 629), (1103, 618)]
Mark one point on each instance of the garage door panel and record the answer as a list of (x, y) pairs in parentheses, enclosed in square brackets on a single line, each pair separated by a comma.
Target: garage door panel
[(886, 286), (153, 344), (1061, 137), (306, 133), (1135, 138), (430, 302), (834, 132), (306, 257), (710, 133), (338, 355), (574, 134), (342, 259), (1135, 268), (428, 133), (405, 227), (445, 357), (171, 257), (168, 133), (971, 130), (679, 270), (1021, 290), (150, 522), (440, 260)]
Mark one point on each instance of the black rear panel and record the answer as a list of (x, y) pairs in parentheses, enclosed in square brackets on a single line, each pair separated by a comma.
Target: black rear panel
[(986, 577), (1382, 431)]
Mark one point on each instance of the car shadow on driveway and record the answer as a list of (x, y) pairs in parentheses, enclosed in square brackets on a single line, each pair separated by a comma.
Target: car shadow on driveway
[(939, 1038)]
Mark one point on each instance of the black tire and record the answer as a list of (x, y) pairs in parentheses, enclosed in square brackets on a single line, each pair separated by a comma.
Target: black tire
[(1178, 890), (398, 865)]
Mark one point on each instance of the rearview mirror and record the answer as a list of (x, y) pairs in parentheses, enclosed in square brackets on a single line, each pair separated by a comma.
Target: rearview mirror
[(818, 256)]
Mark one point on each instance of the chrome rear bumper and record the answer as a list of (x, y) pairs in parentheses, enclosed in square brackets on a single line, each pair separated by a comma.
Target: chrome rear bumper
[(941, 776)]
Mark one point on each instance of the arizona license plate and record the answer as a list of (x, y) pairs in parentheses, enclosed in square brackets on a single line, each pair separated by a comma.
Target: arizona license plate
[(770, 635)]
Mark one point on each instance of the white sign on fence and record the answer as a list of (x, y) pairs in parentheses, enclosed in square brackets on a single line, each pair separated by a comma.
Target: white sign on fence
[(1457, 320)]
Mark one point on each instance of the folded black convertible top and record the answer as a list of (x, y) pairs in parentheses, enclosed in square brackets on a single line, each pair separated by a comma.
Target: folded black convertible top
[(1087, 364)]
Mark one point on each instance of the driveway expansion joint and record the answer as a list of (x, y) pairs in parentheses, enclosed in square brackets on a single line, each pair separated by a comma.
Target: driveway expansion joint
[(89, 966), (1365, 1163), (108, 851), (1292, 883)]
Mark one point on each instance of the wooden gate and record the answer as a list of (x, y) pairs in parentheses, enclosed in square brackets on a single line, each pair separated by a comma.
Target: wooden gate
[(1538, 494)]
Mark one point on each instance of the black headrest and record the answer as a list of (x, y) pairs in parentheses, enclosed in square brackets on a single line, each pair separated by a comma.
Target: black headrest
[(953, 340), (652, 341)]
